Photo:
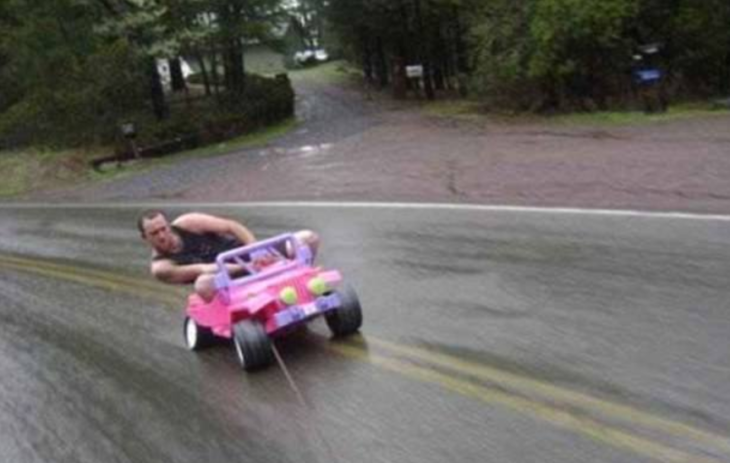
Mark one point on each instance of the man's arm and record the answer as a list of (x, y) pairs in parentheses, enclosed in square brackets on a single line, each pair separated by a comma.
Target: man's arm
[(169, 272), (197, 222)]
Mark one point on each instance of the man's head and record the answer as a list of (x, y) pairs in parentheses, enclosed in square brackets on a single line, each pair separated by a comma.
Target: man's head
[(154, 227)]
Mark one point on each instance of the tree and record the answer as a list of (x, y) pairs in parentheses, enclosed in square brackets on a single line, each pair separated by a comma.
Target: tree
[(62, 74), (387, 35)]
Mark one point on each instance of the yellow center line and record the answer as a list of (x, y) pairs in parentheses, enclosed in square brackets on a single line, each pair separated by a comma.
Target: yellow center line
[(96, 281), (550, 413), (562, 418), (528, 385), (136, 282)]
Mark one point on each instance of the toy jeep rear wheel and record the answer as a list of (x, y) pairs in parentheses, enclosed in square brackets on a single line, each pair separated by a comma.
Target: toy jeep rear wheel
[(346, 319), (197, 337), (253, 346)]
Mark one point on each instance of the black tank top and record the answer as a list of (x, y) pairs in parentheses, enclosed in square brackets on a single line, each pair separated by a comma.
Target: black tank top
[(199, 248)]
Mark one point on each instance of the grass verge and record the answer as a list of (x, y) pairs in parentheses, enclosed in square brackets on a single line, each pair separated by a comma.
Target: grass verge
[(675, 112), (474, 111), (34, 169), (332, 72)]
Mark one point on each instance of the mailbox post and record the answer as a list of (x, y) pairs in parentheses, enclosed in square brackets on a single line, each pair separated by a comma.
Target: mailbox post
[(415, 75), (129, 131), (649, 78)]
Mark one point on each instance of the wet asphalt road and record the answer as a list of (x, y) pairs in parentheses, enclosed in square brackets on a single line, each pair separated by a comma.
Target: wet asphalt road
[(488, 336)]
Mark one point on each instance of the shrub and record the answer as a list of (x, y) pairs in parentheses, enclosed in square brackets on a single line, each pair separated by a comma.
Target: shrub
[(90, 112), (265, 101), (83, 108)]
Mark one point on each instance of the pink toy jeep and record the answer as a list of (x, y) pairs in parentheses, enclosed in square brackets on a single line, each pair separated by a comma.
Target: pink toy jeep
[(280, 290)]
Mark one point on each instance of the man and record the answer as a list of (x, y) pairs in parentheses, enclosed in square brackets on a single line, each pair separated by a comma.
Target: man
[(185, 250)]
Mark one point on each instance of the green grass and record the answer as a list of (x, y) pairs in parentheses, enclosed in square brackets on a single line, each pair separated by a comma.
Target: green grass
[(461, 109), (249, 141), (264, 61), (610, 118), (473, 110), (333, 72), (16, 170), (258, 59), (29, 169), (35, 169)]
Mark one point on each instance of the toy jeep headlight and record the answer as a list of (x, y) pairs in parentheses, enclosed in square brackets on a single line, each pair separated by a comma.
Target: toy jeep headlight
[(288, 295), (317, 286)]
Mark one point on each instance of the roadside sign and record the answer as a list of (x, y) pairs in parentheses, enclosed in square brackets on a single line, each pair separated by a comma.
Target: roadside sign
[(648, 75), (414, 71)]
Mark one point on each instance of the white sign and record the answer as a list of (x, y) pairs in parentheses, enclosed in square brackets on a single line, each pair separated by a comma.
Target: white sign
[(414, 71)]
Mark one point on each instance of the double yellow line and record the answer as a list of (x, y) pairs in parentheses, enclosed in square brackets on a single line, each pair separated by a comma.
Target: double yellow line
[(565, 408), (97, 278), (609, 422)]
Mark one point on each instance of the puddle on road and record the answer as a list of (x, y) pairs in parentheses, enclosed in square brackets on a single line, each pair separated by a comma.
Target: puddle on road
[(305, 151), (309, 151)]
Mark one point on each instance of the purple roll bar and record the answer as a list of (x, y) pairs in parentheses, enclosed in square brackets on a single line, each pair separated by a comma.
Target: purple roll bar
[(302, 256)]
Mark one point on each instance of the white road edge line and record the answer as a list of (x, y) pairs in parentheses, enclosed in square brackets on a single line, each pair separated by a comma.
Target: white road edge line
[(380, 205)]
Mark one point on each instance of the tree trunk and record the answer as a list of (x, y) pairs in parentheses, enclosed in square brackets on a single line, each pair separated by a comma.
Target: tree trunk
[(367, 60), (306, 27), (725, 83), (233, 54), (228, 69), (439, 67), (230, 21), (438, 78), (177, 79), (214, 68), (447, 62), (424, 53), (234, 73), (428, 78), (157, 93), (400, 88), (381, 64), (462, 63), (440, 61), (230, 76), (204, 71), (320, 29)]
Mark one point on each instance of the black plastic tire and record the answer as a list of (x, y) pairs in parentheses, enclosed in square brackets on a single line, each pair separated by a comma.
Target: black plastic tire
[(197, 337), (253, 346), (347, 319)]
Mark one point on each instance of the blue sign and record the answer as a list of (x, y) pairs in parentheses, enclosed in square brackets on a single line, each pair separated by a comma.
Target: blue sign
[(648, 75)]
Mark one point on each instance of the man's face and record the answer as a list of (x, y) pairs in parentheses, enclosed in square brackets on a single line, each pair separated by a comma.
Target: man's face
[(158, 234)]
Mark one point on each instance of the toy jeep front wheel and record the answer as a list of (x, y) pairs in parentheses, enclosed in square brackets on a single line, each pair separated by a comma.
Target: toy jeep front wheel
[(253, 346), (347, 318), (197, 337)]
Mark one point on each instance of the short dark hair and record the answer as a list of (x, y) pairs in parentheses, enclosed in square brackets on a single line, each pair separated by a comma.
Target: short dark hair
[(149, 214)]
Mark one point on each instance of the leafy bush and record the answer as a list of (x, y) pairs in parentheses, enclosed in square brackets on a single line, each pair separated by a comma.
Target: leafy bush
[(265, 101), (502, 50), (84, 107), (577, 54), (552, 53), (77, 114), (196, 78)]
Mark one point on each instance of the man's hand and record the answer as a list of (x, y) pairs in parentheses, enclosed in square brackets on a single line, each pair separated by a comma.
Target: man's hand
[(235, 270), (168, 271), (263, 261)]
